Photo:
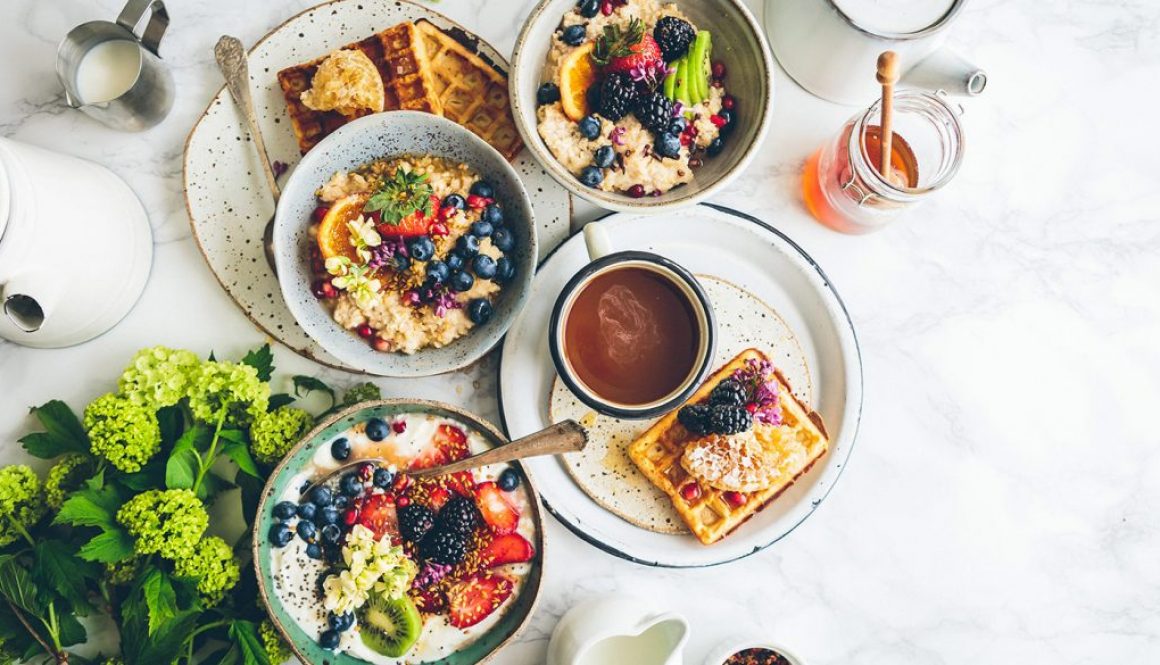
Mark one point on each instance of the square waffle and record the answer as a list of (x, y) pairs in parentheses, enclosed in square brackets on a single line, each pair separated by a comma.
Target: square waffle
[(799, 442)]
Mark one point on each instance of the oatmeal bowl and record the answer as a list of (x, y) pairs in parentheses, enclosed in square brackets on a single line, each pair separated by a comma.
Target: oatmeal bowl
[(404, 244), (642, 105)]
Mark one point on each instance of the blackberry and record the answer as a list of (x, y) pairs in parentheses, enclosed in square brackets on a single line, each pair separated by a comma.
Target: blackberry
[(415, 520), (729, 420), (729, 392), (674, 37), (617, 96), (459, 515), (695, 418), (442, 546), (655, 111)]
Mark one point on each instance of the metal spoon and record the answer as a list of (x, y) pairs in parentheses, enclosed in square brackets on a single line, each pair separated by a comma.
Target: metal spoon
[(231, 60)]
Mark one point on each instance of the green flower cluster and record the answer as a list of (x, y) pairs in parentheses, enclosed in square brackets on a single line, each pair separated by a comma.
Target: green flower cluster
[(276, 648), (168, 522), (21, 502), (361, 392), (158, 376), (212, 565), (125, 434), (122, 572), (65, 476), (273, 434), (227, 392)]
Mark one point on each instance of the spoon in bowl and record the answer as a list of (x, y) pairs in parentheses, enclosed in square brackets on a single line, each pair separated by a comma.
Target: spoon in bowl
[(231, 60)]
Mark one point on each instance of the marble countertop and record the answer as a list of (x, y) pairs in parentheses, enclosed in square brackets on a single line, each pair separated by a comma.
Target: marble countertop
[(1003, 504)]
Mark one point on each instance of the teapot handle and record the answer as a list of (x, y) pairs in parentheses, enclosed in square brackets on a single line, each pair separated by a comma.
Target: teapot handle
[(132, 14), (948, 71)]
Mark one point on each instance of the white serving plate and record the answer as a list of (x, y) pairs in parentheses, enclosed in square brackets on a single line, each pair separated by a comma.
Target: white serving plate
[(710, 240)]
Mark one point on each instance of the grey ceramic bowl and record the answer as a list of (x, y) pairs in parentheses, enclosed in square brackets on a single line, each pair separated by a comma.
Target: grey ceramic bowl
[(738, 42), (385, 135)]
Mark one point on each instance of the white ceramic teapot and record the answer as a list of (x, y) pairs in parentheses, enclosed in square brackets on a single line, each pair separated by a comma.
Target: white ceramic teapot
[(618, 630), (75, 247)]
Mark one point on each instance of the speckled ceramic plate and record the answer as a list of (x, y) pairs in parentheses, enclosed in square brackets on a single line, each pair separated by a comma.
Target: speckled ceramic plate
[(305, 646), (741, 250), (604, 470), (226, 193)]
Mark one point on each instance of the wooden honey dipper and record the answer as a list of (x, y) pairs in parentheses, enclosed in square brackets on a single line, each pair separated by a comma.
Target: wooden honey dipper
[(887, 77)]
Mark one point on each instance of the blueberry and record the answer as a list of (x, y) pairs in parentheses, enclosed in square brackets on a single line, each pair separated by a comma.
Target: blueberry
[(314, 551), (402, 263), (454, 262), (591, 176), (280, 535), (285, 510), (340, 622), (437, 271), (461, 281), (589, 8), (505, 270), (329, 640), (728, 117), (574, 35), (508, 480), (679, 124), (482, 188), (306, 530), (307, 510), (493, 214), (715, 147), (377, 430), (322, 496), (340, 449), (668, 145), (589, 127), (547, 94), (479, 311), (350, 485), (454, 201), (421, 248), (604, 156), (504, 240), (467, 245), (383, 478), (327, 515), (482, 229), (331, 533), (484, 266), (341, 502)]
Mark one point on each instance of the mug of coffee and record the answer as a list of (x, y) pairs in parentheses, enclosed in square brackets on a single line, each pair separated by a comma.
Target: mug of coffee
[(632, 334)]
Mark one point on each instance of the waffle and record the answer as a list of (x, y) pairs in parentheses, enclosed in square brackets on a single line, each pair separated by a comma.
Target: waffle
[(799, 442), (472, 92)]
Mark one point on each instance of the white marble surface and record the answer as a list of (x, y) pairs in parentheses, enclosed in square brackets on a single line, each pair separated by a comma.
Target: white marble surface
[(1003, 505)]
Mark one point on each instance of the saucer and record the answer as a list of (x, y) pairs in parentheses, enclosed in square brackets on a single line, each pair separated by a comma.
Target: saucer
[(739, 249)]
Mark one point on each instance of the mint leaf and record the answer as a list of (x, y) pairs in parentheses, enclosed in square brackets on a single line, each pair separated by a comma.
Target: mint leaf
[(56, 567), (261, 359), (91, 507), (304, 385), (245, 635), (184, 462), (160, 599), (112, 546)]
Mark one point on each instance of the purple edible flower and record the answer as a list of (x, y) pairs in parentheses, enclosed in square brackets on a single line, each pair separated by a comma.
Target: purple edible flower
[(387, 250), (757, 377), (430, 574), (651, 75), (617, 135), (279, 168)]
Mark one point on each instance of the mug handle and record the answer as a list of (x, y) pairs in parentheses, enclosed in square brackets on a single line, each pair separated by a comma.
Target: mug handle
[(597, 241), (132, 14)]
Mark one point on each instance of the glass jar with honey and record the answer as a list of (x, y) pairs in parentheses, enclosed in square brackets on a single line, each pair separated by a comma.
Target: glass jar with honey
[(843, 184)]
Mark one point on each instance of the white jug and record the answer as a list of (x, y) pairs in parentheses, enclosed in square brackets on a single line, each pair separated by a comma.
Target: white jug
[(75, 247), (831, 47), (618, 630)]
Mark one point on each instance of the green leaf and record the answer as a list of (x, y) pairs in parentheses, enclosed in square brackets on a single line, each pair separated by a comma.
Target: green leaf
[(239, 452), (304, 385), (70, 631), (278, 400), (172, 422), (91, 507), (56, 567), (404, 194), (16, 586), (211, 486), (160, 598), (60, 421), (245, 635), (184, 462), (112, 546), (262, 360), (151, 476), (251, 488), (15, 640)]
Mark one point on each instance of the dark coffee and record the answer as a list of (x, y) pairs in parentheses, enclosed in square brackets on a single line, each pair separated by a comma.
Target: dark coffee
[(631, 335)]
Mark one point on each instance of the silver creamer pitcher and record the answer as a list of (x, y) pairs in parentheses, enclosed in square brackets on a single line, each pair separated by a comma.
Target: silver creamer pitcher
[(148, 98)]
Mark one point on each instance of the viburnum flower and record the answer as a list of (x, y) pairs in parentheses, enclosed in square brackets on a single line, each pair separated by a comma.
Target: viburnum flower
[(212, 565), (158, 376), (166, 522), (369, 565), (276, 648), (274, 433), (21, 502), (64, 477), (124, 433), (230, 393), (361, 392)]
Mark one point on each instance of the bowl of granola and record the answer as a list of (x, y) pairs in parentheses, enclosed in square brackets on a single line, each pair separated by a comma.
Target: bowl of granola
[(642, 105), (404, 244)]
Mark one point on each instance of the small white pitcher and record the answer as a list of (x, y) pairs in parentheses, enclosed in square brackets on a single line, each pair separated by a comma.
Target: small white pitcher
[(618, 630)]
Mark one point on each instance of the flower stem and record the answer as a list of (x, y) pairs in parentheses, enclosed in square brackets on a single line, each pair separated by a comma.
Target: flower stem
[(204, 463), (20, 529)]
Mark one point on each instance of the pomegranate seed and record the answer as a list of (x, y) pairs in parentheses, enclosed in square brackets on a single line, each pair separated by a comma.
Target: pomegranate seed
[(735, 499), (751, 408), (350, 517), (366, 470), (691, 492), (718, 121), (438, 229), (718, 70), (402, 481), (606, 7), (476, 202), (319, 213), (364, 331), (399, 426), (380, 344), (636, 191), (324, 290), (686, 139), (403, 502), (695, 163), (317, 264), (728, 102)]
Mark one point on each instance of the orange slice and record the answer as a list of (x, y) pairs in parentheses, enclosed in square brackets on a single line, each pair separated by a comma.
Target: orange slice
[(333, 231), (577, 74)]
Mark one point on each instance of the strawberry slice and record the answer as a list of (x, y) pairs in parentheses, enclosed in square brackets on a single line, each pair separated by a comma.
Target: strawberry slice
[(500, 515), (429, 601), (473, 599), (448, 444), (377, 513), (437, 498), (508, 548)]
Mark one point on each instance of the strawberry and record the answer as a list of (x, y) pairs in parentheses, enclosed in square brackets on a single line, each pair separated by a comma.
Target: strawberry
[(473, 599), (413, 225), (437, 498), (627, 48), (500, 515), (645, 56), (447, 445), (377, 513), (508, 548), (430, 601)]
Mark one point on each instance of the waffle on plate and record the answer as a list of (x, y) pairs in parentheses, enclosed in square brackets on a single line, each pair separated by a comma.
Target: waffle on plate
[(711, 513)]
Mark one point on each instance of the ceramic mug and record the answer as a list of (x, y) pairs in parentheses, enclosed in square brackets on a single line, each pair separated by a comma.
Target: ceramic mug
[(604, 260)]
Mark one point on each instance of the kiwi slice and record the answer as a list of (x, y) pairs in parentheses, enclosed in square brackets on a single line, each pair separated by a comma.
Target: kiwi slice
[(701, 65), (681, 85), (670, 84), (389, 627)]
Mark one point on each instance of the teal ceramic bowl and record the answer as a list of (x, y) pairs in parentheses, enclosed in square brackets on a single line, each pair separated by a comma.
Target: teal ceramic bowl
[(304, 645)]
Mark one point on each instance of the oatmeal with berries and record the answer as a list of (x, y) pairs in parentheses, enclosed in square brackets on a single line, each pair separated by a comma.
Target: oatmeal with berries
[(630, 99), (410, 252)]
